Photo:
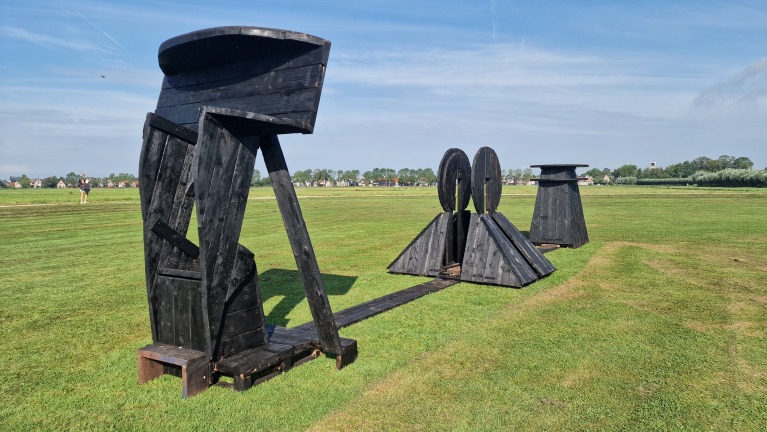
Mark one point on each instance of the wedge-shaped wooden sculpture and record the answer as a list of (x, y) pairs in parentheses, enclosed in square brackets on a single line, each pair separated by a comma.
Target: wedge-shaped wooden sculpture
[(227, 93), (496, 252), (483, 247), (440, 245)]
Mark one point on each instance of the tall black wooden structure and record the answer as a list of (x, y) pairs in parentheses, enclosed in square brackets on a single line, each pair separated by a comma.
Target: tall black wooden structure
[(558, 215), (483, 247), (227, 94)]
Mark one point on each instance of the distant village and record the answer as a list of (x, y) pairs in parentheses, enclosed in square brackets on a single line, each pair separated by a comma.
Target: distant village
[(702, 170)]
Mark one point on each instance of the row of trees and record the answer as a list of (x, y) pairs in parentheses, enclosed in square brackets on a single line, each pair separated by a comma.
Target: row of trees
[(679, 173), (678, 170), (70, 179), (379, 176)]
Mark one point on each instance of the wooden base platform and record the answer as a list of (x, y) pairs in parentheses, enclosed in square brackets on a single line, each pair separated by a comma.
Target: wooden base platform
[(286, 347)]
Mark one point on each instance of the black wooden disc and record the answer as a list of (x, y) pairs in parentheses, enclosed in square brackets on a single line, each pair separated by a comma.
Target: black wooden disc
[(486, 180), (454, 172)]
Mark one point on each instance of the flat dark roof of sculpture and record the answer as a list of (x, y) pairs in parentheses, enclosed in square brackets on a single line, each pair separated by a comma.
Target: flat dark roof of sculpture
[(221, 45)]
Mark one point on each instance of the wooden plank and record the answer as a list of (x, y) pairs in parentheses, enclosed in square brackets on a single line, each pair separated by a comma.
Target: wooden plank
[(533, 256), (163, 305), (491, 259), (272, 81), (254, 360), (176, 239), (388, 302), (161, 123), (301, 244), (222, 170), (425, 254), (271, 104)]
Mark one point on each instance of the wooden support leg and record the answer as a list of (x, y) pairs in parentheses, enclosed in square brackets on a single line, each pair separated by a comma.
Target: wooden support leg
[(148, 369), (301, 244), (194, 365)]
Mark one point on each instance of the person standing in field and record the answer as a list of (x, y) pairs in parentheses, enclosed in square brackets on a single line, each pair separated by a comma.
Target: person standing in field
[(86, 189), (81, 185)]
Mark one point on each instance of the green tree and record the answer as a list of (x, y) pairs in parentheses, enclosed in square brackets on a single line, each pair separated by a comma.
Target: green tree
[(625, 171), (72, 177), (50, 182), (256, 180), (742, 163)]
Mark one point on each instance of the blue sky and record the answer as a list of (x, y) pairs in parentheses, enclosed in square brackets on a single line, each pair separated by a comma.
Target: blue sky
[(598, 82)]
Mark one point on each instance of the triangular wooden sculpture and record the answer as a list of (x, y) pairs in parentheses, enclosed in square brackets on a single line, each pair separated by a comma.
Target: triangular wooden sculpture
[(496, 252), (441, 243)]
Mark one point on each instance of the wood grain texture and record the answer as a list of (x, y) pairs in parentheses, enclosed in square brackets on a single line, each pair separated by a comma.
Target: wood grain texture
[(558, 212), (490, 258), (486, 181), (301, 244), (454, 180), (425, 254), (532, 255), (271, 72)]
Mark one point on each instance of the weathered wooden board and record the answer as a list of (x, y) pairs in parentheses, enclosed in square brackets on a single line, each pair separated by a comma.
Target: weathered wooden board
[(179, 305), (424, 255), (165, 178), (301, 244), (490, 257), (271, 72), (222, 170), (454, 180), (486, 181), (532, 255)]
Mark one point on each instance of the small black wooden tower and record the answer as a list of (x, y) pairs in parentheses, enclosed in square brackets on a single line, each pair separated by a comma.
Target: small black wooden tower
[(227, 93), (558, 215)]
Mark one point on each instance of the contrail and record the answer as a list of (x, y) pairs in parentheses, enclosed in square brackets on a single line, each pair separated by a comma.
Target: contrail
[(102, 31), (492, 11)]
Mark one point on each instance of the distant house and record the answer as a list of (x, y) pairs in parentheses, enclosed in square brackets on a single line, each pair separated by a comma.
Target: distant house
[(110, 184), (36, 183), (14, 184), (585, 181), (607, 179), (134, 184), (61, 184)]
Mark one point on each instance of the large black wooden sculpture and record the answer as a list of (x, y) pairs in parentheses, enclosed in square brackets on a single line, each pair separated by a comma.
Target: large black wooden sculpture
[(483, 247), (227, 93)]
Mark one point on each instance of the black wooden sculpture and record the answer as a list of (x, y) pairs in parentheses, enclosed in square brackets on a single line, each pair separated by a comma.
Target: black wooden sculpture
[(558, 215), (483, 247), (227, 93)]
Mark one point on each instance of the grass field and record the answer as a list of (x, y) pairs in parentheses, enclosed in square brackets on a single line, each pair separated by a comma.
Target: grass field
[(660, 323)]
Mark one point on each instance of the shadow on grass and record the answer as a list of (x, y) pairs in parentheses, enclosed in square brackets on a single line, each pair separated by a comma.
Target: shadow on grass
[(287, 283)]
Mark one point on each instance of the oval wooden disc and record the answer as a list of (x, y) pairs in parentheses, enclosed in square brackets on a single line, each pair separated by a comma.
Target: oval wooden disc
[(486, 181), (454, 174)]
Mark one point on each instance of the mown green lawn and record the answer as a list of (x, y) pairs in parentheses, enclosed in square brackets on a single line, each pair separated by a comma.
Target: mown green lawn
[(659, 323)]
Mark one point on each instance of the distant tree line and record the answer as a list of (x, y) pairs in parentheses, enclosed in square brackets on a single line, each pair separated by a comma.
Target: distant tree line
[(702, 171), (729, 170), (70, 180), (376, 177), (678, 170)]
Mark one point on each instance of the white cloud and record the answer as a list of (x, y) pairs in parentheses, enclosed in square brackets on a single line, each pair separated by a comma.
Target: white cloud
[(49, 41)]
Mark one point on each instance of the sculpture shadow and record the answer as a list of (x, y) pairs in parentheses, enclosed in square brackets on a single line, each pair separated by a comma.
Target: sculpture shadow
[(287, 284)]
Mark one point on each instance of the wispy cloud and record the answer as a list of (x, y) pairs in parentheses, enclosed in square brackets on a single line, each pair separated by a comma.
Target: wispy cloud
[(49, 41), (747, 87)]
